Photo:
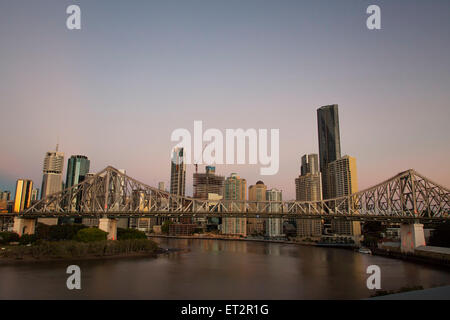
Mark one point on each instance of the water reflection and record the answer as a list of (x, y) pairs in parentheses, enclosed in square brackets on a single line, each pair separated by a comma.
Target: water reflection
[(213, 269)]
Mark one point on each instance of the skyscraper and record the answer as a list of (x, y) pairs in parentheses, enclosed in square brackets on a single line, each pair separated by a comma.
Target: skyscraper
[(274, 226), (77, 170), (308, 187), (35, 194), (329, 143), (52, 170), (22, 199), (177, 173), (5, 195), (344, 182), (257, 192), (208, 182), (235, 188)]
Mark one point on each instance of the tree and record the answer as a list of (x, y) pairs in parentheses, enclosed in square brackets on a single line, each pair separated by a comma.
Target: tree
[(165, 226), (7, 237), (373, 233), (126, 234), (441, 236), (90, 235)]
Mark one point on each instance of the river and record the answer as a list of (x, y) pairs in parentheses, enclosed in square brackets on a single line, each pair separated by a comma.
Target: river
[(214, 269)]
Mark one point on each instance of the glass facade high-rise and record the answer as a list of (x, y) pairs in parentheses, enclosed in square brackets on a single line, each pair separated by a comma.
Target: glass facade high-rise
[(52, 170), (177, 175), (77, 170), (329, 143), (22, 199)]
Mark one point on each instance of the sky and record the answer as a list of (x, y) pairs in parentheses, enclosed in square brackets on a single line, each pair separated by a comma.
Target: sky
[(137, 70)]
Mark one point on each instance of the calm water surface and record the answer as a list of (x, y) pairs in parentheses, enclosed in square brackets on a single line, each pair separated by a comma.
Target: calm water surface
[(214, 269)]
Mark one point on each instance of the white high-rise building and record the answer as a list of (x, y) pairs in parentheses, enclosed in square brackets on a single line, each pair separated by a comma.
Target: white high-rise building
[(274, 226), (52, 172)]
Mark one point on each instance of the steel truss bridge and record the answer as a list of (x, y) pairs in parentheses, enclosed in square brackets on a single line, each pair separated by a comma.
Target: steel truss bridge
[(408, 196)]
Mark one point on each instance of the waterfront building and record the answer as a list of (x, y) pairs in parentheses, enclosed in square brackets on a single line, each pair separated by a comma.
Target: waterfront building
[(257, 192), (343, 182), (22, 199), (329, 143), (308, 187), (274, 226), (235, 188), (208, 182), (52, 172)]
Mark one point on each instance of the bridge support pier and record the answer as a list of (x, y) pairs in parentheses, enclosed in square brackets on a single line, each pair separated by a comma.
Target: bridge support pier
[(412, 236), (24, 226), (110, 226), (48, 221)]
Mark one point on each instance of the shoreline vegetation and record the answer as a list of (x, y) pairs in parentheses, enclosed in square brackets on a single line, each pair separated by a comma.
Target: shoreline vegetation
[(74, 242)]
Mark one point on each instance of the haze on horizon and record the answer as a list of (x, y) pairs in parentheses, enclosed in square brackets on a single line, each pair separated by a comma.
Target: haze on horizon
[(137, 70)]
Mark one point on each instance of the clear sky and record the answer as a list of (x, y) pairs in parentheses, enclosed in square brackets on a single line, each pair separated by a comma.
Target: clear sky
[(137, 70)]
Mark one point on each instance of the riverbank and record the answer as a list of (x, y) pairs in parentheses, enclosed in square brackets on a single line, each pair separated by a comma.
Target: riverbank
[(230, 239), (412, 258), (76, 251)]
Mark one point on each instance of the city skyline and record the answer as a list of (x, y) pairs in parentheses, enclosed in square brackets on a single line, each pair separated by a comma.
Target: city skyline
[(188, 63)]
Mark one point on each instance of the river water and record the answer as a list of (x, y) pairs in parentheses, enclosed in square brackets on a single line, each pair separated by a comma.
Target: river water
[(214, 269)]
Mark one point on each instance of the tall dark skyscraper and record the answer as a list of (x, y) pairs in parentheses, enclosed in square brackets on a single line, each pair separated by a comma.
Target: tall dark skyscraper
[(77, 169), (177, 173), (329, 143)]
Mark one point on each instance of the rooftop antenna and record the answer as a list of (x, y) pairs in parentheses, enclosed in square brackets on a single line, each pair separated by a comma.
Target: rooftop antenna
[(57, 143), (196, 164)]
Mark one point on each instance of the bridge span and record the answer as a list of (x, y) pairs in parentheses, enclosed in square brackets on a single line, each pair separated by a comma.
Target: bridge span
[(408, 198)]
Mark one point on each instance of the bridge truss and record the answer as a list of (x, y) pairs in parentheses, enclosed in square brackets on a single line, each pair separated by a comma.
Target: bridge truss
[(408, 195)]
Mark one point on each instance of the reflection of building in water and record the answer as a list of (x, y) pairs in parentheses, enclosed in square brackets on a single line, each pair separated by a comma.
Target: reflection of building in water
[(181, 229)]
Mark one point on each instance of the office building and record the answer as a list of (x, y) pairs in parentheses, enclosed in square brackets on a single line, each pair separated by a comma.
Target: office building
[(329, 143), (77, 170), (274, 226), (52, 170), (257, 192), (22, 199), (35, 194), (235, 188), (5, 195), (177, 173), (344, 182), (308, 187), (208, 182)]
